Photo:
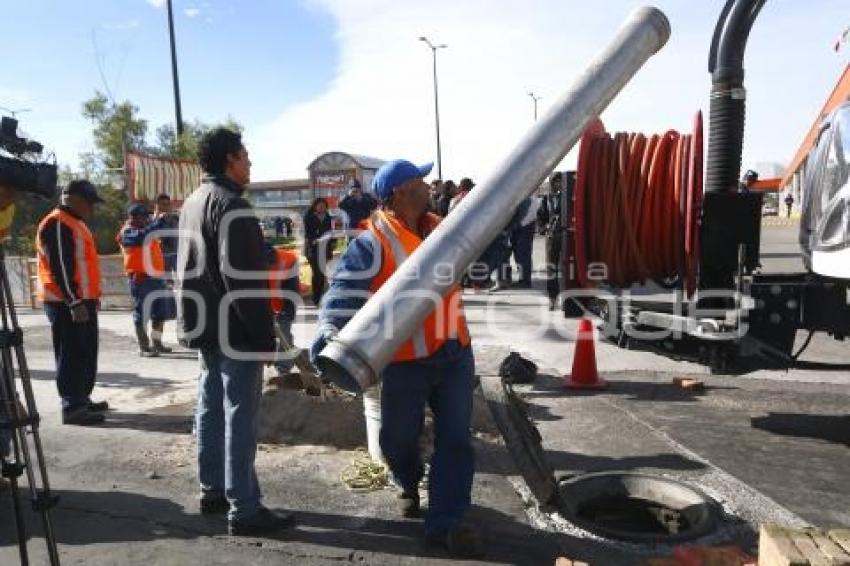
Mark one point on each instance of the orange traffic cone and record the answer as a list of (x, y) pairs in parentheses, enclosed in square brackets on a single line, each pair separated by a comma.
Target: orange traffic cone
[(584, 374)]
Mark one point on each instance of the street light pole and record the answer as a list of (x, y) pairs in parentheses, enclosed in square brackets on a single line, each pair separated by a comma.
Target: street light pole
[(436, 102), (178, 113), (535, 99)]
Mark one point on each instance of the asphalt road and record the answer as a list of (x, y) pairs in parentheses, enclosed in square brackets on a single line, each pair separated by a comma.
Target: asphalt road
[(770, 446)]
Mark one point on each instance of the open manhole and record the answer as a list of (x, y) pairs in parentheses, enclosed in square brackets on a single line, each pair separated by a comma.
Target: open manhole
[(637, 507), (619, 505)]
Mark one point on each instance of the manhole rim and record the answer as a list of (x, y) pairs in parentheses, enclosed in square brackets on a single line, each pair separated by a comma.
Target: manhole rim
[(712, 509)]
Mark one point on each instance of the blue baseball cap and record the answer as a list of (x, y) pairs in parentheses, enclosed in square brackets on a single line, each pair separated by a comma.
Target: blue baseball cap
[(83, 188), (138, 209), (394, 173)]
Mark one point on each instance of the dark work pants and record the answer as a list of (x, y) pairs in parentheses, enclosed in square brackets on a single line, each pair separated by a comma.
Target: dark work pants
[(319, 280), (522, 240), (553, 263), (75, 349)]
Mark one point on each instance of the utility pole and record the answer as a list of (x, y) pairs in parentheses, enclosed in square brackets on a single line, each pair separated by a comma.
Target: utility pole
[(178, 113), (436, 102), (535, 99)]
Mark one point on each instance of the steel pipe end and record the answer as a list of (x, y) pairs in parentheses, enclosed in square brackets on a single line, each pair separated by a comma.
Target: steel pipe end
[(650, 15), (344, 367)]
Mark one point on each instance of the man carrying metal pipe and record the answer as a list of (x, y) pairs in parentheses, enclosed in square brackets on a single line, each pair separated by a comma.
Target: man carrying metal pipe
[(435, 366)]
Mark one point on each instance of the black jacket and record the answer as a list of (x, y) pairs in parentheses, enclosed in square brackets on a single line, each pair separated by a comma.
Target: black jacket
[(315, 228), (224, 251), (357, 209), (550, 212)]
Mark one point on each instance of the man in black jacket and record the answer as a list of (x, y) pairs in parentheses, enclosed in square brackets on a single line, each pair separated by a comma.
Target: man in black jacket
[(223, 309), (550, 211), (357, 205)]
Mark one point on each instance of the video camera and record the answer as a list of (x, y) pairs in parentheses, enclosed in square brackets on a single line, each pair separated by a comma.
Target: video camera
[(21, 164)]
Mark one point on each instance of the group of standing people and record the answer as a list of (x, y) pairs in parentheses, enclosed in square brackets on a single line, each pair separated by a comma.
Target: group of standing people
[(437, 370), (228, 315), (355, 207), (493, 269), (149, 247), (70, 288)]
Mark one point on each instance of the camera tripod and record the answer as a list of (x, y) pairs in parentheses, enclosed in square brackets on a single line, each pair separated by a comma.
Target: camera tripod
[(20, 421)]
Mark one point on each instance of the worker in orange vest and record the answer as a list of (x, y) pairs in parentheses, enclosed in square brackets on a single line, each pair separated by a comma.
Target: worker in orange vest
[(144, 265), (434, 367), (69, 288), (284, 289)]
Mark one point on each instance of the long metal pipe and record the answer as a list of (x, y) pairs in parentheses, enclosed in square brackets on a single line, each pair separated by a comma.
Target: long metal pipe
[(370, 339)]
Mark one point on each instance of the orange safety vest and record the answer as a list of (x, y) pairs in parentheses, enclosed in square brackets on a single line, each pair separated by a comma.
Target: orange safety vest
[(286, 259), (135, 256), (86, 260), (446, 321)]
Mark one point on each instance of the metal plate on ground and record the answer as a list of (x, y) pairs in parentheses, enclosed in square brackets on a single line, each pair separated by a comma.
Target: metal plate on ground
[(521, 438)]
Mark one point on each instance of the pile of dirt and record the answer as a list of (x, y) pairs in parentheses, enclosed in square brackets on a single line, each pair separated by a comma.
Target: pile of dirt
[(288, 415)]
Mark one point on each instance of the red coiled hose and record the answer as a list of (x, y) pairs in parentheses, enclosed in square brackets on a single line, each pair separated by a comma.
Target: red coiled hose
[(637, 204)]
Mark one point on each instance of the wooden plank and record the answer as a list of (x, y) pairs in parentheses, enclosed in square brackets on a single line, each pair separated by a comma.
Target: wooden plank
[(841, 537), (777, 549), (834, 553), (810, 550)]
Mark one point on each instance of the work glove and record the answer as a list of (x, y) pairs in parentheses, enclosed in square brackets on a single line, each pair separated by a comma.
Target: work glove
[(79, 313), (323, 336)]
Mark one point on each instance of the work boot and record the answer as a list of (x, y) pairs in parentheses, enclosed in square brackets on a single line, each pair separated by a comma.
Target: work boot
[(98, 406), (144, 344), (462, 541), (408, 504), (499, 286), (262, 522), (81, 416), (156, 338), (213, 504)]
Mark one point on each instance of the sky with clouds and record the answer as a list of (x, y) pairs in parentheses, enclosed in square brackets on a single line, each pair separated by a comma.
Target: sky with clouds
[(309, 76)]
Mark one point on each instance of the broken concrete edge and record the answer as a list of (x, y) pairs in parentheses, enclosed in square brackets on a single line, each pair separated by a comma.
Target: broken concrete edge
[(742, 508)]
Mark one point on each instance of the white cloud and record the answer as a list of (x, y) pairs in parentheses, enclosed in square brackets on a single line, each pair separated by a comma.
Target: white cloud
[(157, 3), (381, 103), (192, 12)]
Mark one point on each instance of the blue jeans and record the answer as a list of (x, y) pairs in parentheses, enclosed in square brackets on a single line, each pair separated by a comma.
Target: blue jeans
[(227, 416), (161, 308), (444, 381), (285, 324)]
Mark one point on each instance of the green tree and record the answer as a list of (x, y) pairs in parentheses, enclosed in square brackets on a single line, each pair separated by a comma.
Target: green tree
[(117, 128), (185, 146)]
